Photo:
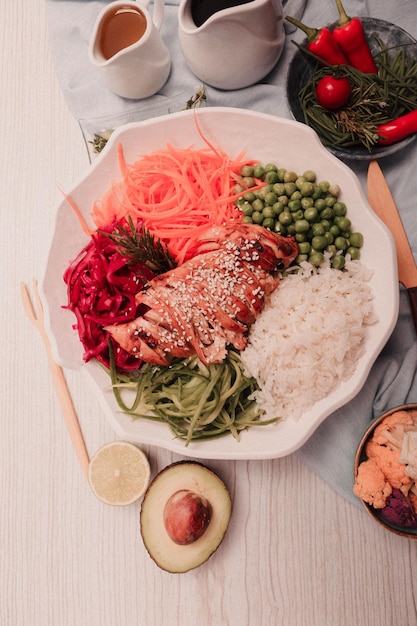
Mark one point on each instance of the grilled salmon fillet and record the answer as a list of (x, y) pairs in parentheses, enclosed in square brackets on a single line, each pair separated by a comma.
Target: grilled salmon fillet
[(209, 302)]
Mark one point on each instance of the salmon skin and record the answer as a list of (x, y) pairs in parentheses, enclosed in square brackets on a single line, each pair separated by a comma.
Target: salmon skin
[(210, 301)]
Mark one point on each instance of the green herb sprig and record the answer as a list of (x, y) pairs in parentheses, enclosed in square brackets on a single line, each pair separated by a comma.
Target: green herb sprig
[(140, 247), (101, 138)]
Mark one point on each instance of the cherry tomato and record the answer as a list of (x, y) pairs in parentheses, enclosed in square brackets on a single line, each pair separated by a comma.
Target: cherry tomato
[(333, 93)]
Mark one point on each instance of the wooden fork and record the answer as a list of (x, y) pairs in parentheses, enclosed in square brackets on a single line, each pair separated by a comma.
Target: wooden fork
[(35, 314)]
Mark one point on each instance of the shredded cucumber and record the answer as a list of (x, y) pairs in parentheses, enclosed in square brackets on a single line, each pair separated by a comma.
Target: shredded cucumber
[(198, 402)]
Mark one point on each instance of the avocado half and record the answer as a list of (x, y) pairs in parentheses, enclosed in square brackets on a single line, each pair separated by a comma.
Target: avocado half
[(193, 486)]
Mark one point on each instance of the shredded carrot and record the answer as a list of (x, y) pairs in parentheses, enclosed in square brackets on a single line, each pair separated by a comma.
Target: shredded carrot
[(88, 231), (178, 193)]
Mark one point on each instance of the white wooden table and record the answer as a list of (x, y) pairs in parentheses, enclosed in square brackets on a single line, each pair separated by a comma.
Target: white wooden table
[(296, 553)]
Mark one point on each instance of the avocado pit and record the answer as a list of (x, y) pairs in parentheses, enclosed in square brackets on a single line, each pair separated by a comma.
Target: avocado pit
[(186, 516)]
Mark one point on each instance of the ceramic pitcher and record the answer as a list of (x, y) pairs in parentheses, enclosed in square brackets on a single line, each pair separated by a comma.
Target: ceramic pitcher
[(231, 44), (132, 68)]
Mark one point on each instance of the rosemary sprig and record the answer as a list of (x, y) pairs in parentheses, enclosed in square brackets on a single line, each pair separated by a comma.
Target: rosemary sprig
[(198, 99), (101, 138), (140, 247)]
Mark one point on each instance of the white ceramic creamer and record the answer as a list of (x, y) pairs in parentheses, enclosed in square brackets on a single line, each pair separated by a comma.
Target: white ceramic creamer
[(127, 49), (231, 44)]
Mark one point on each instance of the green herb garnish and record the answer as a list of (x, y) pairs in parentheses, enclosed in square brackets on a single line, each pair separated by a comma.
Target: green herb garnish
[(198, 99), (140, 247)]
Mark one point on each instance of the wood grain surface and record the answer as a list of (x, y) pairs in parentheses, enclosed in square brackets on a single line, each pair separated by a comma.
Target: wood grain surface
[(296, 553)]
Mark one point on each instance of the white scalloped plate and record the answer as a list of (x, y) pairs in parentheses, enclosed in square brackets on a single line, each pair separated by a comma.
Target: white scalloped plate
[(269, 139)]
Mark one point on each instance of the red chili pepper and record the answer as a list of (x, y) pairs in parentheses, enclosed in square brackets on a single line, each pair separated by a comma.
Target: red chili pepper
[(397, 129), (321, 43), (350, 36)]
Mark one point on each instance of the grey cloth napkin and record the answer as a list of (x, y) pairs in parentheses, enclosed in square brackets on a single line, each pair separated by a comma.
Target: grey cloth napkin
[(392, 380)]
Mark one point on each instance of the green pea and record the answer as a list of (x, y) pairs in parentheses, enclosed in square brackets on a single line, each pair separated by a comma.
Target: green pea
[(270, 167), (334, 190), (300, 180), (338, 262), (332, 250), (246, 170), (340, 243), (290, 188), (277, 208), (320, 204), (335, 230), (290, 177), (268, 222), (302, 226), (329, 237), (271, 177), (283, 199), (247, 220), (294, 205), (258, 204), (258, 171), (299, 238), (281, 173), (249, 196), (306, 203), (356, 240), (239, 188), (257, 217), (324, 185), (354, 253), (268, 211), (310, 176), (316, 258), (343, 223), (296, 195), (319, 242), (260, 193), (307, 189), (271, 197), (304, 247), (247, 209), (285, 218), (339, 208), (327, 213), (329, 201), (279, 189), (291, 229), (317, 193), (280, 228), (318, 229), (301, 258), (311, 214), (325, 223), (248, 181)]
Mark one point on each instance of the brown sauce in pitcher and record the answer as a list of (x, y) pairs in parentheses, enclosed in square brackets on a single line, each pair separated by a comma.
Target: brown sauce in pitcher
[(201, 10), (121, 28)]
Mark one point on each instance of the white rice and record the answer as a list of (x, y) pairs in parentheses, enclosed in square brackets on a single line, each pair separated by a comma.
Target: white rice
[(309, 337)]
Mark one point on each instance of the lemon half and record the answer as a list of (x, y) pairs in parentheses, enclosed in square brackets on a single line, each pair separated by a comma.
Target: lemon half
[(119, 473)]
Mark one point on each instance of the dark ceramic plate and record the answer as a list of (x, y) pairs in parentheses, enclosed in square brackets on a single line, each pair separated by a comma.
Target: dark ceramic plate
[(302, 67)]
